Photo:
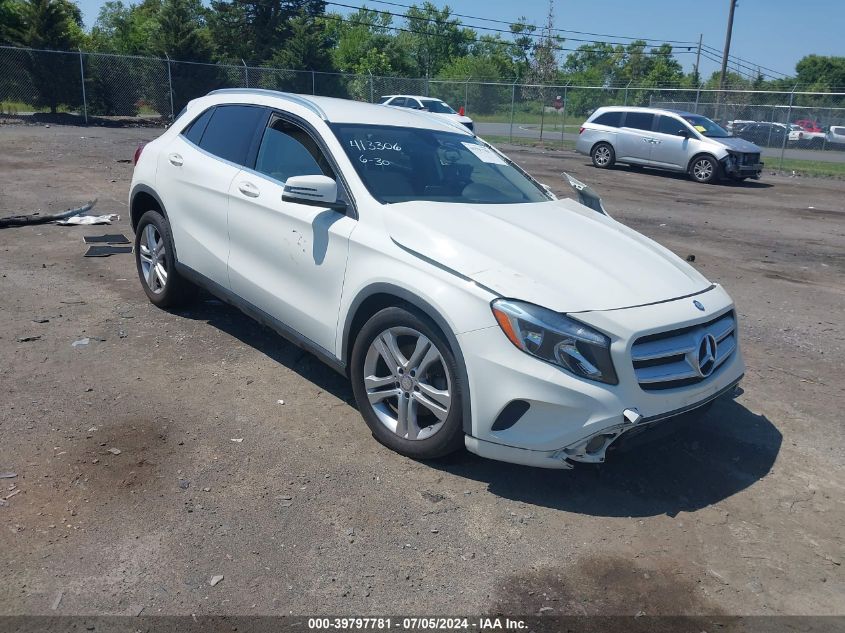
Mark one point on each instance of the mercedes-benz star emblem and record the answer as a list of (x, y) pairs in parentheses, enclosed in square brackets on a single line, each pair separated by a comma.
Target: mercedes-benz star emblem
[(698, 304), (706, 356)]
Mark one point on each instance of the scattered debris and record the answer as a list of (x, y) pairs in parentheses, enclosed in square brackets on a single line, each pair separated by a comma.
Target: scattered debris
[(215, 579), (115, 451), (184, 484), (8, 475), (690, 258), (105, 251), (237, 440), (280, 401), (11, 494), (40, 320), (57, 601), (109, 238), (87, 220), (28, 339), (36, 218), (206, 489), (350, 531), (80, 342)]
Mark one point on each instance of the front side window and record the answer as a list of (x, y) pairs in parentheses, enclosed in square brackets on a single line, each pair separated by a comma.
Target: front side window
[(398, 101), (287, 150), (705, 126), (400, 164), (231, 130), (639, 120), (670, 125)]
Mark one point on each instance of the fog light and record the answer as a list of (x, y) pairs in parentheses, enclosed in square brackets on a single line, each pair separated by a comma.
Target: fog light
[(595, 444)]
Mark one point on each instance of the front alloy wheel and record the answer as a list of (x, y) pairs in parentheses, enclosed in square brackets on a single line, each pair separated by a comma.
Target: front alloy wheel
[(704, 169), (153, 256), (406, 384)]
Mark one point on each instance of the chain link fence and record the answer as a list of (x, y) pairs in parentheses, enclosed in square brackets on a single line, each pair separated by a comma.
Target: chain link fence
[(108, 85)]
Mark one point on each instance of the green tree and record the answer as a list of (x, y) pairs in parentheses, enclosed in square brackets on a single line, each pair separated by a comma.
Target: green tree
[(125, 29), (433, 38), (11, 22), (53, 25), (818, 72)]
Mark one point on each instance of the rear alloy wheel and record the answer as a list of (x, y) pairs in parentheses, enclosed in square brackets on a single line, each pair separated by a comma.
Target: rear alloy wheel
[(704, 169), (156, 263), (603, 156), (404, 377)]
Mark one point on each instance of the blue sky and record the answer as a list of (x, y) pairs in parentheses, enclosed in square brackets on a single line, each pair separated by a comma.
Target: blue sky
[(771, 33)]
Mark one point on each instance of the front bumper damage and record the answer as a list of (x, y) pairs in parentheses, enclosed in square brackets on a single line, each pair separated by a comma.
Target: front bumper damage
[(736, 166)]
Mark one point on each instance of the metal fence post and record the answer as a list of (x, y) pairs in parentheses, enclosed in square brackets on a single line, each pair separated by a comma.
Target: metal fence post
[(246, 74), (466, 93), (697, 96), (371, 85), (786, 131), (626, 92), (82, 76), (313, 83), (170, 87), (513, 101), (563, 121)]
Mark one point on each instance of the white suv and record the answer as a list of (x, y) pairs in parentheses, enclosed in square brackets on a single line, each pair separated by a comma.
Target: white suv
[(465, 302)]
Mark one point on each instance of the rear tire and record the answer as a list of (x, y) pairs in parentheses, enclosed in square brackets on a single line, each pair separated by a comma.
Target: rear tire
[(406, 383), (603, 155), (156, 262), (704, 169)]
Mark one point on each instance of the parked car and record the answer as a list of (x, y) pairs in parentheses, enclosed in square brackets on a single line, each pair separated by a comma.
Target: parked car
[(735, 126), (809, 125), (667, 139), (434, 106), (796, 134), (835, 137), (764, 134), (466, 303)]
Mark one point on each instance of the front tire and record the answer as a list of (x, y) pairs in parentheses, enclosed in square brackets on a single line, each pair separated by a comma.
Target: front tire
[(704, 169), (156, 262), (406, 383), (603, 155)]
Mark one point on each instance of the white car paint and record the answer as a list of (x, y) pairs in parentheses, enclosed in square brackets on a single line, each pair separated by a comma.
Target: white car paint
[(419, 102), (308, 268)]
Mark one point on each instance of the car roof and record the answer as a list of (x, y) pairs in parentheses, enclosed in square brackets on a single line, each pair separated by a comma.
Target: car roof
[(644, 109), (333, 110), (420, 97)]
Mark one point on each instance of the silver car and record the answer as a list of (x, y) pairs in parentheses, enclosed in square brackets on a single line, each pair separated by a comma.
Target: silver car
[(667, 139)]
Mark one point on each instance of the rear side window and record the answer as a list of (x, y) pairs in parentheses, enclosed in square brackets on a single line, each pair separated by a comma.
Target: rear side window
[(398, 101), (195, 129), (231, 131), (384, 100), (639, 120), (612, 119)]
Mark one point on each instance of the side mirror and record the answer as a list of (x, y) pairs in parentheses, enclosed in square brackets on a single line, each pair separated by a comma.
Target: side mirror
[(586, 196), (683, 132), (315, 191)]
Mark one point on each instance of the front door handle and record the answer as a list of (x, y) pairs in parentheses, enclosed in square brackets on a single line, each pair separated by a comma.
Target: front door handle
[(248, 189), (175, 160)]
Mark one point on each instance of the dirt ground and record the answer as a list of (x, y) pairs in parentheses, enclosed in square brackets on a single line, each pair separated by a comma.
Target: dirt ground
[(307, 514)]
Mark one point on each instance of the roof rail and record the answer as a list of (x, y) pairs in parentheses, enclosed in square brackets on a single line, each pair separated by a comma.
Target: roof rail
[(293, 98)]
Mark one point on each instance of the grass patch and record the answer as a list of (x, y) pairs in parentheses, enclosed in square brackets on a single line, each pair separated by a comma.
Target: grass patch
[(531, 142), (816, 168)]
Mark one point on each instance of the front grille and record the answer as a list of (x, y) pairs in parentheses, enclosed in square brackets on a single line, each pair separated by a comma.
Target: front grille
[(750, 159), (671, 359)]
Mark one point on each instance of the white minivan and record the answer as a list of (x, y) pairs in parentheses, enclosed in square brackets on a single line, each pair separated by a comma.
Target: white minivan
[(466, 303)]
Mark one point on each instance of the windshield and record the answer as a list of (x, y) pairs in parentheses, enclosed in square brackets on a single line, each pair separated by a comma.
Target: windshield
[(705, 126), (400, 164), (435, 105)]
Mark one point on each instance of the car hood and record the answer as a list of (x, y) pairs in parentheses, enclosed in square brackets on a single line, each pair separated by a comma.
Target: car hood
[(557, 254), (738, 144)]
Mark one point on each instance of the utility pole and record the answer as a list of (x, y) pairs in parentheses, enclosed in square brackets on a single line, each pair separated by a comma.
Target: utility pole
[(726, 53), (698, 58)]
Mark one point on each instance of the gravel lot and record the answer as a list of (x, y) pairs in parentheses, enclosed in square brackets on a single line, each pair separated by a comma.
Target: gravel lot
[(308, 514)]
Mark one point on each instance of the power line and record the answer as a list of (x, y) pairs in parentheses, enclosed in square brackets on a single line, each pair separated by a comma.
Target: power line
[(476, 40), (492, 20), (485, 28), (754, 65)]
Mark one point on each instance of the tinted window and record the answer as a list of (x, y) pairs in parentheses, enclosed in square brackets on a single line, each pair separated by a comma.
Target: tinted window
[(194, 130), (288, 150), (433, 105), (613, 119), (639, 120), (231, 131), (384, 100), (669, 125), (412, 103), (398, 101)]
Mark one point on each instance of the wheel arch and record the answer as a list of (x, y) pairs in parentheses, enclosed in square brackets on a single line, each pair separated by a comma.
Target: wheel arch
[(378, 296), (716, 161), (602, 141), (144, 199)]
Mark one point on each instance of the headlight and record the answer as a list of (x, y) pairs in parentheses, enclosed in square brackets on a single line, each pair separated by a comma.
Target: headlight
[(557, 339)]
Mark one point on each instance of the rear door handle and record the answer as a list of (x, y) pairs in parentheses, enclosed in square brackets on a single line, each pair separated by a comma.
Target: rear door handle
[(175, 160), (248, 189)]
